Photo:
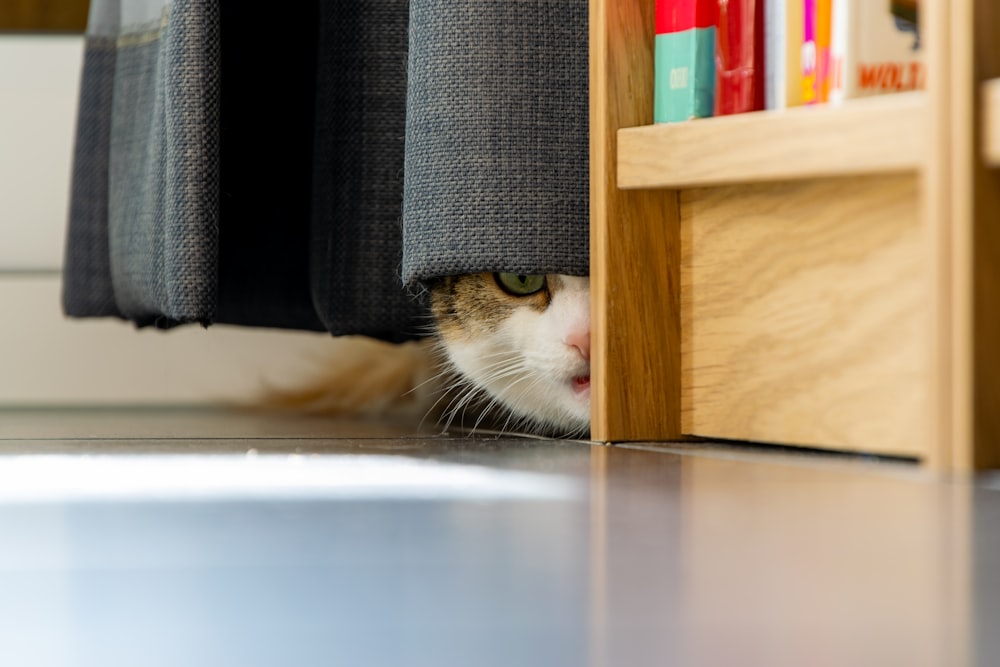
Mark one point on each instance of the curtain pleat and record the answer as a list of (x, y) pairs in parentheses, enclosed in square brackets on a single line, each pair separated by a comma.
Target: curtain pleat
[(496, 155), (308, 167)]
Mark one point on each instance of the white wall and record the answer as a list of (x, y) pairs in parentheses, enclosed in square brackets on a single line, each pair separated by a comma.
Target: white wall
[(46, 359), (39, 78)]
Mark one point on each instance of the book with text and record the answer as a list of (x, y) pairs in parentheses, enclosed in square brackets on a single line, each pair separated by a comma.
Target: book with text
[(684, 72), (877, 48)]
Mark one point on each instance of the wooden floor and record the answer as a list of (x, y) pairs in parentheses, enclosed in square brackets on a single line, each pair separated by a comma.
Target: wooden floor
[(225, 538)]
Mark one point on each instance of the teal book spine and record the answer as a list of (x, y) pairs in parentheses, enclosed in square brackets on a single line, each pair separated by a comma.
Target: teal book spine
[(684, 67)]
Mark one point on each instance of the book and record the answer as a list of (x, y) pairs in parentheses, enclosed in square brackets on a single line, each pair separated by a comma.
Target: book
[(775, 54), (738, 59), (809, 56), (824, 9), (794, 38), (838, 49), (760, 60), (684, 55), (882, 49)]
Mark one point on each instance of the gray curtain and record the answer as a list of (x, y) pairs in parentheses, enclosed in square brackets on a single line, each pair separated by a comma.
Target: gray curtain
[(496, 138), (308, 167), (143, 231)]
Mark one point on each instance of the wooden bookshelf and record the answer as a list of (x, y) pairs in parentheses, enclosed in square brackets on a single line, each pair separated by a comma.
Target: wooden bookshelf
[(875, 135), (818, 276), (635, 333), (991, 122)]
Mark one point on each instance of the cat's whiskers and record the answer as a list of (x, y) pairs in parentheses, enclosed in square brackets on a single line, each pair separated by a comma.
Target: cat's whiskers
[(546, 423), (524, 420), (464, 400), (521, 421), (445, 393), (462, 394), (495, 400), (510, 365), (505, 350), (447, 370)]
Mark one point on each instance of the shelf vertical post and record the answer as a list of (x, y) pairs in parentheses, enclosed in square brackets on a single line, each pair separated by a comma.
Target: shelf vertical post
[(634, 243), (983, 20)]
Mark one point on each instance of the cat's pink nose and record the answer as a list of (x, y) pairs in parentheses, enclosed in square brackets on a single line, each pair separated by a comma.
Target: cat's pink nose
[(581, 341)]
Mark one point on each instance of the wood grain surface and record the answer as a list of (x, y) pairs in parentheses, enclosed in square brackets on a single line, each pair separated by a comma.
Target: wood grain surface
[(635, 338), (803, 314), (991, 122), (985, 19), (879, 134), (944, 204)]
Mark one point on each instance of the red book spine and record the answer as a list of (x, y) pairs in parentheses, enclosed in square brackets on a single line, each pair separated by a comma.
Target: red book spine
[(739, 57), (760, 64), (680, 15)]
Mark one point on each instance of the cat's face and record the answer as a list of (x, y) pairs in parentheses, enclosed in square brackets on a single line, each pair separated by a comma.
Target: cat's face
[(524, 341)]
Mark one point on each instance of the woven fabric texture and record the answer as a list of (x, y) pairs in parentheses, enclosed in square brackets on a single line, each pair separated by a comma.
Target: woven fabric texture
[(496, 155), (357, 241), (87, 287), (308, 167), (146, 181)]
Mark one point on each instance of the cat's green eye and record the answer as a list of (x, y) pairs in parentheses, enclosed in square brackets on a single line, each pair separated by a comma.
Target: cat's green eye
[(519, 284)]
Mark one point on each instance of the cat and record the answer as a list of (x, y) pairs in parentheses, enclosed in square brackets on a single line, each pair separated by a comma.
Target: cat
[(523, 341), (508, 352)]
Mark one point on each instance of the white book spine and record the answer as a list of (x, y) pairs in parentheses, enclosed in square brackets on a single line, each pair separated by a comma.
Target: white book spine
[(775, 68), (839, 29)]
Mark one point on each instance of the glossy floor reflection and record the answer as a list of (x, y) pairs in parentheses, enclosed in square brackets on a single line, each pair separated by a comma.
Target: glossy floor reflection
[(175, 538)]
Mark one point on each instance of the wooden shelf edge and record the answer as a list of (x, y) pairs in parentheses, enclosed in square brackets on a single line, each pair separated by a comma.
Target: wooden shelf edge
[(635, 366), (874, 135), (991, 122)]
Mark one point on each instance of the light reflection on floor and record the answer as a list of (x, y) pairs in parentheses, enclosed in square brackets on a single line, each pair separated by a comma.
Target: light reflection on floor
[(254, 476), (223, 540)]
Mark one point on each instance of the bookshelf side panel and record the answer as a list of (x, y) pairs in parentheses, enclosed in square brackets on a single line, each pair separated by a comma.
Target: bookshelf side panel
[(635, 365), (802, 314)]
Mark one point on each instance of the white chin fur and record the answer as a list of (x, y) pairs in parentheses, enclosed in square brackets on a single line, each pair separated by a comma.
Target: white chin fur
[(529, 369), (545, 400)]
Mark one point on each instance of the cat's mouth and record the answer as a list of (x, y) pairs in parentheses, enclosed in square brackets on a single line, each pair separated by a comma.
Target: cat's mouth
[(581, 383)]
